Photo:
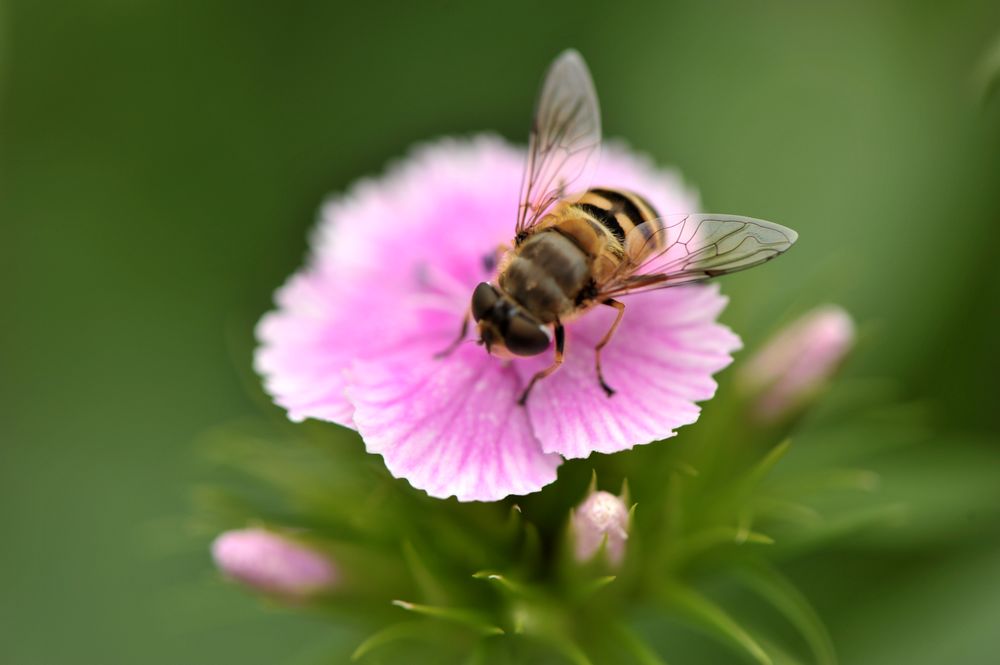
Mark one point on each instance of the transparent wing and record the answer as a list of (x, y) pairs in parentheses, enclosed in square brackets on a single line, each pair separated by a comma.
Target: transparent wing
[(680, 249), (565, 138)]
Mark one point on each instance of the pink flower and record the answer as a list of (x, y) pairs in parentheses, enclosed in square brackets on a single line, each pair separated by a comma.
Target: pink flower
[(392, 269), (797, 362), (272, 563), (601, 518)]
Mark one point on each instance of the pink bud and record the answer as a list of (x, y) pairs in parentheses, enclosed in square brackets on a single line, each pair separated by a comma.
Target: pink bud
[(272, 563), (601, 515), (798, 361)]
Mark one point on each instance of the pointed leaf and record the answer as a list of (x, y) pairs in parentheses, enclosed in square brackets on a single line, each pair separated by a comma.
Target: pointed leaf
[(567, 648), (987, 74), (774, 588), (515, 520), (636, 646), (788, 511), (780, 654), (478, 655), (397, 631), (430, 588), (686, 469), (531, 547), (709, 539), (703, 612), (505, 583), (593, 586), (844, 525), (828, 480), (625, 495), (457, 615), (743, 524), (675, 512), (758, 471)]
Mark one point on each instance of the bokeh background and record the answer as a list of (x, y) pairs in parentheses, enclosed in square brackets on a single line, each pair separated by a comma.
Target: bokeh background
[(161, 163)]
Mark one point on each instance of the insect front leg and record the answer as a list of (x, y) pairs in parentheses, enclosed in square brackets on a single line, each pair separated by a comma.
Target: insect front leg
[(458, 340), (491, 261), (620, 306), (557, 361)]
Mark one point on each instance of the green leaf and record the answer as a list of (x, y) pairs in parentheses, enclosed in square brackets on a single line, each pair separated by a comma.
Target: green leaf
[(828, 480), (505, 583), (841, 526), (593, 586), (478, 655), (686, 469), (675, 507), (431, 589), (987, 74), (779, 654), (398, 631), (701, 611), (626, 492), (774, 588), (515, 519), (531, 547), (703, 541), (792, 512), (758, 471), (457, 615), (637, 647), (567, 648)]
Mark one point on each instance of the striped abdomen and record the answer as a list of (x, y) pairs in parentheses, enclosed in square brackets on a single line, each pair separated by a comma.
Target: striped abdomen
[(600, 220), (555, 271), (618, 211)]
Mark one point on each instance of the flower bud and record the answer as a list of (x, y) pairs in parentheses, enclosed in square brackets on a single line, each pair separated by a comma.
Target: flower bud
[(601, 519), (797, 362), (271, 563)]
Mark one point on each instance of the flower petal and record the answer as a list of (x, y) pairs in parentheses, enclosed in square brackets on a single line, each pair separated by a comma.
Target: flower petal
[(298, 354), (394, 263), (451, 426), (660, 362), (393, 259)]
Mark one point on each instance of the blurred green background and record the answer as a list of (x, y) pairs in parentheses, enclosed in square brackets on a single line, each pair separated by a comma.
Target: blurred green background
[(161, 162)]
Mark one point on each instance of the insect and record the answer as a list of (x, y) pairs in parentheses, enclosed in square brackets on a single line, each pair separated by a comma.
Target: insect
[(574, 252)]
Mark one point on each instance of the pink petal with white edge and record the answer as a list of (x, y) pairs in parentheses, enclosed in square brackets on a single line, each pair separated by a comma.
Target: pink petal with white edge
[(452, 426), (393, 266), (660, 362), (294, 358), (384, 253)]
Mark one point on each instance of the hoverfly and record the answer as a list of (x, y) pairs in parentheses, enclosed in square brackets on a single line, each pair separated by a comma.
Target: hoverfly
[(575, 251)]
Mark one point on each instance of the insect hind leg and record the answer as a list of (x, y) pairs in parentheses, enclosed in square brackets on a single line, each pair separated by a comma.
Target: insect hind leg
[(620, 306)]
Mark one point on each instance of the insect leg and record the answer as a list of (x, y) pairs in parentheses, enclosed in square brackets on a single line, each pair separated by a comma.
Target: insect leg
[(560, 345), (491, 261), (458, 340), (620, 306)]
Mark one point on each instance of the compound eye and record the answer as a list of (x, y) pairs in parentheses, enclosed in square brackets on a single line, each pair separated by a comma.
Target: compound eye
[(525, 337), (483, 300)]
